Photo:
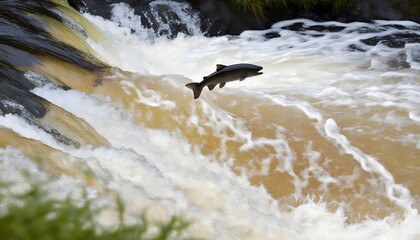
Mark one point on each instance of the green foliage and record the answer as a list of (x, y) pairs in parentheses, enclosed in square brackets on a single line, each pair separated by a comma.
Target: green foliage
[(258, 7), (338, 5), (33, 215), (413, 8)]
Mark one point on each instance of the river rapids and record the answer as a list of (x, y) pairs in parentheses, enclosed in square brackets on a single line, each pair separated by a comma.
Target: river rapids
[(324, 145)]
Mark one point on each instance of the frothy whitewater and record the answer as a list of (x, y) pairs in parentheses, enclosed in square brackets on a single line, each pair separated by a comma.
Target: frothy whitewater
[(324, 145)]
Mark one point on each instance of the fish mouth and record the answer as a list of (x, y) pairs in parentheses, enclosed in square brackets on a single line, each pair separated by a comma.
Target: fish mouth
[(258, 72)]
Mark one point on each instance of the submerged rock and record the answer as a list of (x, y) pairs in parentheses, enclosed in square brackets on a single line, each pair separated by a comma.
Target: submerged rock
[(397, 40), (300, 26), (271, 35)]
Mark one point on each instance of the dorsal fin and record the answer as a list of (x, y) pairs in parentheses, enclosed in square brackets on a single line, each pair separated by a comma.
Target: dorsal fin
[(219, 67)]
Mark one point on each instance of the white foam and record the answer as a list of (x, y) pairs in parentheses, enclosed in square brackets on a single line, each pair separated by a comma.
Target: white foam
[(147, 96), (414, 116), (223, 204), (188, 183)]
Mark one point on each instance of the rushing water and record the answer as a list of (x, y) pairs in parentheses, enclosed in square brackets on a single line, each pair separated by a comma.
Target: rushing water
[(324, 145)]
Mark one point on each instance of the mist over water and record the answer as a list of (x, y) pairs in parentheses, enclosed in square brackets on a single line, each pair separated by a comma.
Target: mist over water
[(324, 145)]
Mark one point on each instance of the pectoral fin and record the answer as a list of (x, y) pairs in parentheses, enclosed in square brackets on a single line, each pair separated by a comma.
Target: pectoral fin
[(222, 85), (242, 78), (211, 86)]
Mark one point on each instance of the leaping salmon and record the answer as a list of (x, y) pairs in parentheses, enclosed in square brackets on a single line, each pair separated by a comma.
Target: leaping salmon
[(224, 74)]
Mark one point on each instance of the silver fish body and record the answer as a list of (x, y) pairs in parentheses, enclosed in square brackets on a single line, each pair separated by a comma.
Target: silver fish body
[(224, 74)]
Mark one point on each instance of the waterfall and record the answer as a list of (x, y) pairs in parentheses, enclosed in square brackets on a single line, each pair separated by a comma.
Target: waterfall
[(323, 145)]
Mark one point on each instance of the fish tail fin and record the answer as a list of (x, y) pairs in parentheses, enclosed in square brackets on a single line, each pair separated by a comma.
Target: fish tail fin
[(195, 88)]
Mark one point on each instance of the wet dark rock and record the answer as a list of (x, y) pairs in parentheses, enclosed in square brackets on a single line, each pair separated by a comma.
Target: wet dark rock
[(355, 47), (77, 4), (402, 27), (397, 40), (215, 10), (271, 35), (219, 17), (370, 30), (295, 27), (317, 35), (396, 26), (14, 77), (61, 137), (15, 100), (385, 27), (398, 61), (301, 27), (322, 28)]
